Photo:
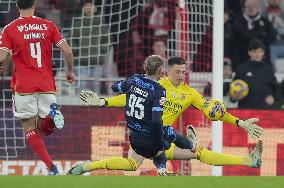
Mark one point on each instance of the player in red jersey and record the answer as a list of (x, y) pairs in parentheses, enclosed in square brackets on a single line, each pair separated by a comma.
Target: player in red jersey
[(30, 41)]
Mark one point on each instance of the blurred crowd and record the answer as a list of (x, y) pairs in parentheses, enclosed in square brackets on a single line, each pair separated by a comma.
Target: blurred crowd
[(254, 47), (111, 38)]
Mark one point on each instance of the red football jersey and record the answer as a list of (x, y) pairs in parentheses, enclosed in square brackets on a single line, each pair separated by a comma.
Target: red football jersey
[(30, 39)]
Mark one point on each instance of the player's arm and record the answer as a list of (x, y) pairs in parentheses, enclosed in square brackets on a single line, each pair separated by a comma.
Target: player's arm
[(68, 55), (61, 43), (249, 124), (3, 55), (157, 112), (6, 45), (119, 86), (90, 98)]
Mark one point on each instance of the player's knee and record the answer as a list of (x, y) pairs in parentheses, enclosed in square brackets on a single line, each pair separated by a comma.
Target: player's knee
[(133, 163), (46, 126), (170, 152)]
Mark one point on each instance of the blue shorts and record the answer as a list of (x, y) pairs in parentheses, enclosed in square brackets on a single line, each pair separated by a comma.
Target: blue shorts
[(144, 151), (144, 146)]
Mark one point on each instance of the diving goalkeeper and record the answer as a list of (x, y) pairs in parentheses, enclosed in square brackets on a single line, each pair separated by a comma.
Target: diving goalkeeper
[(179, 96)]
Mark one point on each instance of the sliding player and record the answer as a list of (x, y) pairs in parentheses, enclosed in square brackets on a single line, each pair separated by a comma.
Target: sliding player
[(145, 98)]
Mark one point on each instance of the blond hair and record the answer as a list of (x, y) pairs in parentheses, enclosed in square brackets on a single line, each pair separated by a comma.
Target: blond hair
[(152, 63)]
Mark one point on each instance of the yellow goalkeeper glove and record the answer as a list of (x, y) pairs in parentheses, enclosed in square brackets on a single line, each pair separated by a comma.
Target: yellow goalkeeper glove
[(254, 130), (90, 98)]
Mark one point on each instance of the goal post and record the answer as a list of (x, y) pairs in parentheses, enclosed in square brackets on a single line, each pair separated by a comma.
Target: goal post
[(217, 84)]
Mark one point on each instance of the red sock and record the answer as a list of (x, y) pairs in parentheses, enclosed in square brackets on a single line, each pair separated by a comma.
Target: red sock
[(47, 126), (35, 141)]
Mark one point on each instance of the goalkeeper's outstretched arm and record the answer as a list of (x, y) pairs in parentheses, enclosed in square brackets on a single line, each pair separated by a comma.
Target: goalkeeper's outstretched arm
[(116, 101), (249, 124), (90, 98)]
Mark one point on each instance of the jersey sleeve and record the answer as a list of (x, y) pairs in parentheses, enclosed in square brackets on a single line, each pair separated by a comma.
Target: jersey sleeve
[(57, 37), (119, 86), (229, 118), (116, 101), (5, 41), (159, 100), (199, 101)]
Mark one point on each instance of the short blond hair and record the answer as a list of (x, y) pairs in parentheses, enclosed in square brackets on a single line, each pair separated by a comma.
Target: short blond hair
[(152, 63)]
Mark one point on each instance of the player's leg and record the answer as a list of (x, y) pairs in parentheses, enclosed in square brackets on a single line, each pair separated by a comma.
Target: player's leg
[(26, 109), (131, 163), (160, 162), (49, 118), (49, 113), (183, 146), (46, 125), (182, 142), (188, 142), (214, 158)]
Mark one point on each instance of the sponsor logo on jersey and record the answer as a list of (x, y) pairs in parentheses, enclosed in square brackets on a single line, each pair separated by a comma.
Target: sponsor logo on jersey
[(182, 96), (32, 27), (172, 107), (142, 84)]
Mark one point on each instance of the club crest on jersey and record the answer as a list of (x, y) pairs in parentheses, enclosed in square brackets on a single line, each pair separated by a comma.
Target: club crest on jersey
[(173, 94), (20, 28), (162, 101)]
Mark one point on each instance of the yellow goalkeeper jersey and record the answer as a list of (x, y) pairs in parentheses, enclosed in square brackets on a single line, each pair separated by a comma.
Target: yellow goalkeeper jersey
[(178, 99)]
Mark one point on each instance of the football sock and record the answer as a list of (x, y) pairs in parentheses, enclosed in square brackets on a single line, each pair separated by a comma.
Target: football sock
[(182, 142), (219, 159), (114, 163), (170, 152), (35, 141), (160, 161)]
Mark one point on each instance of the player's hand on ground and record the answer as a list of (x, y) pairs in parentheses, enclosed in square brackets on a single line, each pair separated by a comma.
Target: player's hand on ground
[(254, 130), (89, 98), (70, 77)]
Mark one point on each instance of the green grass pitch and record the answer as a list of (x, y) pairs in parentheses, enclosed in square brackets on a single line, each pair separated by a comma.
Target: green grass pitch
[(139, 182)]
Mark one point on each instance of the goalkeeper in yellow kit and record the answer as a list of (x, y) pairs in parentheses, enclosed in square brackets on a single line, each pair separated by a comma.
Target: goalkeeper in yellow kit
[(179, 96)]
